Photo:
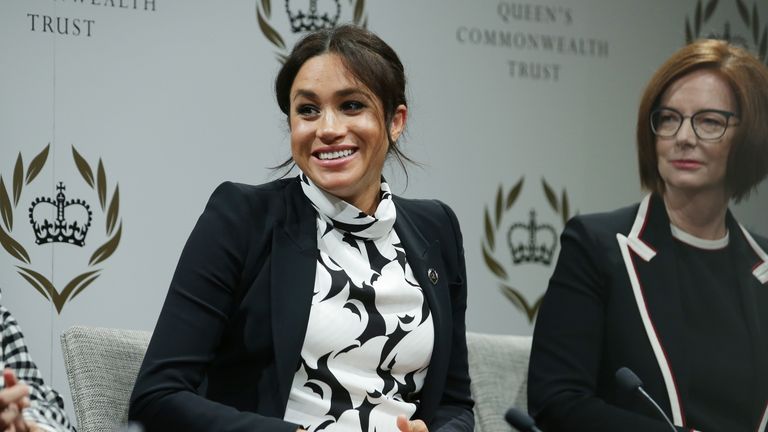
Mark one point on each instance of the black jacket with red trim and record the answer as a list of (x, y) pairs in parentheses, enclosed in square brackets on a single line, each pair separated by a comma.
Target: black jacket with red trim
[(613, 302)]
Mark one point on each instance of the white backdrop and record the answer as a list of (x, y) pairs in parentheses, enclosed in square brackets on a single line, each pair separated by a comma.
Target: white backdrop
[(175, 97)]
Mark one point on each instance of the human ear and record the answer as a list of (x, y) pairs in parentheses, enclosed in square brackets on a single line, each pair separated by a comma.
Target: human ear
[(397, 125)]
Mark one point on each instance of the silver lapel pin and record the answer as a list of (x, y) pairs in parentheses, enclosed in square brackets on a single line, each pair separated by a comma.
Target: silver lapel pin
[(432, 275)]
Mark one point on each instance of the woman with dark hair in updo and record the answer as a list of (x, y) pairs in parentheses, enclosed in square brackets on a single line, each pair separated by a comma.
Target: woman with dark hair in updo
[(323, 301)]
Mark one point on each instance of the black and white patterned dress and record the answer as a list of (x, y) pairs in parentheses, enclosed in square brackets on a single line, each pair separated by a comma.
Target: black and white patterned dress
[(370, 334)]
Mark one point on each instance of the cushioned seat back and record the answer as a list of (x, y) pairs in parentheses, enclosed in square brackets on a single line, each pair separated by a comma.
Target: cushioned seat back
[(498, 366), (102, 365)]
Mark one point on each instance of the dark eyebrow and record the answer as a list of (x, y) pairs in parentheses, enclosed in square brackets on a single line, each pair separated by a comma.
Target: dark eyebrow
[(305, 93), (351, 91)]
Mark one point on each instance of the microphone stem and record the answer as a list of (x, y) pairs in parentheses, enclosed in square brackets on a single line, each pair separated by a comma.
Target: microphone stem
[(658, 408)]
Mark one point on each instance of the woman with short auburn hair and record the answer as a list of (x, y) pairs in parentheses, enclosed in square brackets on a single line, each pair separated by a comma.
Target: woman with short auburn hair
[(672, 288)]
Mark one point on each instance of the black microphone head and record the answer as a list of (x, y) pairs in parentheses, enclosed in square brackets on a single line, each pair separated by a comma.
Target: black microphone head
[(627, 379), (519, 420)]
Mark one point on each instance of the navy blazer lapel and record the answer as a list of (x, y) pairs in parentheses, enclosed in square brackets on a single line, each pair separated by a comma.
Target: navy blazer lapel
[(294, 261), (425, 258), (652, 268)]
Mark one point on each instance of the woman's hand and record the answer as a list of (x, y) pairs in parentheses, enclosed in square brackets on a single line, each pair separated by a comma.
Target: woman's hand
[(33, 427), (13, 399), (405, 425)]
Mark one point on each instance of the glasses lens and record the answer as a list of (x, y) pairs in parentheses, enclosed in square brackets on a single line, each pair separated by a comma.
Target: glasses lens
[(665, 122), (709, 125)]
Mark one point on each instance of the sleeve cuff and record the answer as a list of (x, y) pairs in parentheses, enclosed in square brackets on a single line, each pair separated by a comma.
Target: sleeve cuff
[(41, 422)]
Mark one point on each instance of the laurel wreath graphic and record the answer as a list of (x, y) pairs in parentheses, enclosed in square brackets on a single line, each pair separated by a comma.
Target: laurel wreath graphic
[(492, 221), (99, 183), (264, 13), (751, 20)]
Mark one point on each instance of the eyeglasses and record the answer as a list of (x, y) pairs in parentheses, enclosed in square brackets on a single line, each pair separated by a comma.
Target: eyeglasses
[(707, 124)]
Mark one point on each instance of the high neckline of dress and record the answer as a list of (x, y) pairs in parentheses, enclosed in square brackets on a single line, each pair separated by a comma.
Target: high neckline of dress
[(345, 217)]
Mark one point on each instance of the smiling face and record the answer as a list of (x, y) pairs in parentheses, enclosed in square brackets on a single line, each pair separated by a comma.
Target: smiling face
[(686, 163), (338, 135)]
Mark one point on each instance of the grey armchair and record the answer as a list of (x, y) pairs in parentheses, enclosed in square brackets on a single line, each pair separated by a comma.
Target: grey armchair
[(498, 367), (102, 365)]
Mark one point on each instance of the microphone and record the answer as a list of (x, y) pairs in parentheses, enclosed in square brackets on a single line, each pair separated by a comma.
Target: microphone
[(521, 421), (629, 382)]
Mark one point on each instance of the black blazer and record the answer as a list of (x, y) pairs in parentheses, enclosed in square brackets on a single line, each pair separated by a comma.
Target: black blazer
[(613, 301), (228, 341)]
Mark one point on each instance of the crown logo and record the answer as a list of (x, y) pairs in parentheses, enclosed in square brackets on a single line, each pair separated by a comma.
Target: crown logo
[(73, 218), (755, 38), (59, 221), (531, 242), (312, 20), (324, 14)]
